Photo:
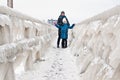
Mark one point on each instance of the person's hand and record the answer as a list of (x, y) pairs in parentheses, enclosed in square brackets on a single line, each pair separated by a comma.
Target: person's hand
[(55, 23), (73, 25)]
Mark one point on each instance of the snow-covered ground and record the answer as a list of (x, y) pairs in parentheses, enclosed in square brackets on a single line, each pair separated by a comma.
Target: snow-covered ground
[(58, 64)]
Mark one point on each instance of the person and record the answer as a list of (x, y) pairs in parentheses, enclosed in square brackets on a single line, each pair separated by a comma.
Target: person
[(60, 23), (64, 32)]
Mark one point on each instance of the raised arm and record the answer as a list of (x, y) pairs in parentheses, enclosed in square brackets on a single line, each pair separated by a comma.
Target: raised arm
[(70, 27), (67, 21)]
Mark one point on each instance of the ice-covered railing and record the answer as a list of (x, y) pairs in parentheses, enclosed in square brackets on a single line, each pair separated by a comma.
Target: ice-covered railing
[(11, 12), (103, 16), (96, 45), (23, 41)]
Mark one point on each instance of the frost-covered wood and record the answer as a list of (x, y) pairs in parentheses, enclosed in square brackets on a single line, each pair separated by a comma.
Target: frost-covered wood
[(10, 3)]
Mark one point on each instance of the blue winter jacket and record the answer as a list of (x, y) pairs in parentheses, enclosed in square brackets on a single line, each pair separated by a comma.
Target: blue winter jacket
[(64, 30)]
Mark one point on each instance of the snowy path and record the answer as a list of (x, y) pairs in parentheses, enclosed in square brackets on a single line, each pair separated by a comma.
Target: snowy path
[(59, 64)]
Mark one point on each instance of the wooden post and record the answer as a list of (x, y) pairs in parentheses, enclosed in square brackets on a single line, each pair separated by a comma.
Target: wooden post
[(10, 3)]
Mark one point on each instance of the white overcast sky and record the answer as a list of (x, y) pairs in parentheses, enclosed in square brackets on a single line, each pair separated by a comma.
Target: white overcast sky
[(76, 10)]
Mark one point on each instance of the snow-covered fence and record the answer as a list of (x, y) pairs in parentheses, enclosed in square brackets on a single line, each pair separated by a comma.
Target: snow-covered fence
[(98, 52), (23, 40)]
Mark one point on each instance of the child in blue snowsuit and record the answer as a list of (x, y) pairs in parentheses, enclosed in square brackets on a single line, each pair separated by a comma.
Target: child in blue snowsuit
[(64, 32)]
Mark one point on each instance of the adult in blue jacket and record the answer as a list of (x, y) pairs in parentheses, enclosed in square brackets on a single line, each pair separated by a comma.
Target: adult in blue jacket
[(64, 32)]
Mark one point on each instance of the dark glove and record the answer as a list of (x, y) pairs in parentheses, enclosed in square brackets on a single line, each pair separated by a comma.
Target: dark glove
[(73, 25), (55, 24)]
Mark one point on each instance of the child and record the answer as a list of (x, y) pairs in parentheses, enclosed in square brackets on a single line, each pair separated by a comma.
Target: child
[(64, 32)]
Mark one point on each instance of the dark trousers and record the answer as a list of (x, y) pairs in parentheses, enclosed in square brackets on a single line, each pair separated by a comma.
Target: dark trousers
[(64, 43), (58, 41)]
